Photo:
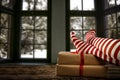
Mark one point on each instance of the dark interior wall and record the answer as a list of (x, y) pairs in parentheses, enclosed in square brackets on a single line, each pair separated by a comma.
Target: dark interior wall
[(58, 28)]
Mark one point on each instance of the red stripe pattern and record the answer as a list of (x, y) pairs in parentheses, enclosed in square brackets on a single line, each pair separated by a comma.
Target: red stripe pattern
[(109, 47), (105, 48), (84, 47), (90, 34)]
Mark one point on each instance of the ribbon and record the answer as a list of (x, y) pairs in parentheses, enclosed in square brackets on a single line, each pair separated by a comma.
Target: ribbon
[(81, 64)]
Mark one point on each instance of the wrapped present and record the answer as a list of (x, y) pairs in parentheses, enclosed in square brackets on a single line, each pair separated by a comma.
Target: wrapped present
[(87, 70), (68, 58), (113, 71)]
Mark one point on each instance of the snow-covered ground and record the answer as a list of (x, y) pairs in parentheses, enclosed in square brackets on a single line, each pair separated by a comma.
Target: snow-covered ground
[(37, 54)]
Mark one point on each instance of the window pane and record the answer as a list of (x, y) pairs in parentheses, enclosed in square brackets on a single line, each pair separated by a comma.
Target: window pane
[(89, 22), (113, 25), (111, 3), (34, 33), (3, 50), (111, 21), (28, 22), (34, 5), (40, 37), (40, 51), (78, 5), (41, 23), (118, 2), (88, 4), (5, 23), (26, 51), (8, 3), (4, 35), (27, 37), (111, 33), (75, 5), (40, 4), (28, 5), (118, 19), (5, 3), (75, 23)]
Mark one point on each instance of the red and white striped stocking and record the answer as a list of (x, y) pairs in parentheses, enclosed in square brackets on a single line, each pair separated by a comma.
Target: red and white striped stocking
[(109, 47), (84, 47)]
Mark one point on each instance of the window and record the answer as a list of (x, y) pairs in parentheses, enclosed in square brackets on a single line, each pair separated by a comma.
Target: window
[(112, 3), (5, 22), (112, 18), (34, 37), (34, 30), (34, 5), (113, 25), (81, 4), (80, 18), (7, 3), (6, 19)]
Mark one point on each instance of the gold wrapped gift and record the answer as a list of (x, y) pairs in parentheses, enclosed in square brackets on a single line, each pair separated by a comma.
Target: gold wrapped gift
[(88, 70), (69, 58)]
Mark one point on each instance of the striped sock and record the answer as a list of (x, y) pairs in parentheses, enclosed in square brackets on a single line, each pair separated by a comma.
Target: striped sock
[(110, 47)]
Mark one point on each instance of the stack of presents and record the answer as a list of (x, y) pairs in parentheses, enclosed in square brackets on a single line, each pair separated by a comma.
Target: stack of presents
[(94, 57)]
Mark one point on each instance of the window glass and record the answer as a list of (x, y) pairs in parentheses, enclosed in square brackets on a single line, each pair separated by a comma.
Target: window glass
[(8, 3), (34, 37), (75, 23), (111, 21), (34, 5), (5, 3), (75, 5), (118, 19), (81, 4), (113, 25), (111, 33), (89, 22), (5, 23), (118, 2), (111, 3), (88, 4)]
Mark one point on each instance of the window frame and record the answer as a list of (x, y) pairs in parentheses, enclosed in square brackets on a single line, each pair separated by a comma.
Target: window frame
[(10, 13), (16, 13), (44, 13)]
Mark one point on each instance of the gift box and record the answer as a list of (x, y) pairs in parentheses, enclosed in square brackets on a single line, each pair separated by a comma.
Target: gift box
[(113, 71), (87, 70), (69, 58)]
